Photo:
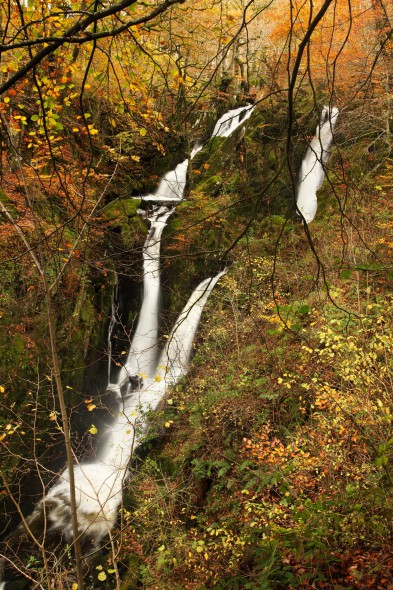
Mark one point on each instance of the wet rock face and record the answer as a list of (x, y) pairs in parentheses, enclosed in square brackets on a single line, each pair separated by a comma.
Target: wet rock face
[(136, 382)]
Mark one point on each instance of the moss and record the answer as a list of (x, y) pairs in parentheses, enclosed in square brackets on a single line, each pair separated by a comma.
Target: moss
[(120, 208), (12, 348), (211, 186)]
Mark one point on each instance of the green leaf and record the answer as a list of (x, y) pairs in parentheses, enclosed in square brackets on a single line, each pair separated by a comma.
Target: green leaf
[(381, 461), (303, 309), (34, 117)]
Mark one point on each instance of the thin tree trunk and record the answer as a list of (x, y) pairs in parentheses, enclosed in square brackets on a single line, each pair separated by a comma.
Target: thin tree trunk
[(66, 432)]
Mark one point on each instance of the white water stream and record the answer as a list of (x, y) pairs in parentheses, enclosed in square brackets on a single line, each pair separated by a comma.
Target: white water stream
[(231, 121), (171, 187), (312, 171), (143, 380)]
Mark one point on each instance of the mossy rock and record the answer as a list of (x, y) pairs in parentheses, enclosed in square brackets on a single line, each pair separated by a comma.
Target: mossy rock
[(120, 208)]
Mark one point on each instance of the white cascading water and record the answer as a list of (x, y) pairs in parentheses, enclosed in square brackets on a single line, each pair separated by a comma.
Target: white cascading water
[(312, 172), (143, 380), (231, 121), (142, 357), (171, 187), (99, 484), (126, 434)]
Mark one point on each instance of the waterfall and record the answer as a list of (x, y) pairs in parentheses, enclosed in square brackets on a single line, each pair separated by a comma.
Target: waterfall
[(142, 357), (231, 121), (143, 380), (173, 363), (312, 172), (99, 483), (171, 187), (127, 432)]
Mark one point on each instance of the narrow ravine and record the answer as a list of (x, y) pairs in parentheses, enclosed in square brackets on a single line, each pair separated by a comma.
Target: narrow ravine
[(143, 381)]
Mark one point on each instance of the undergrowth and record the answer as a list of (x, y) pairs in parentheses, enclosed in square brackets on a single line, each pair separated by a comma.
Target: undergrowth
[(274, 463)]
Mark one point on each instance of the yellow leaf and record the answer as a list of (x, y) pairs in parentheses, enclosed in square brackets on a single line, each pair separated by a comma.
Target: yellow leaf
[(101, 576), (2, 390), (91, 407), (136, 158), (74, 586), (6, 100), (93, 429), (158, 378)]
